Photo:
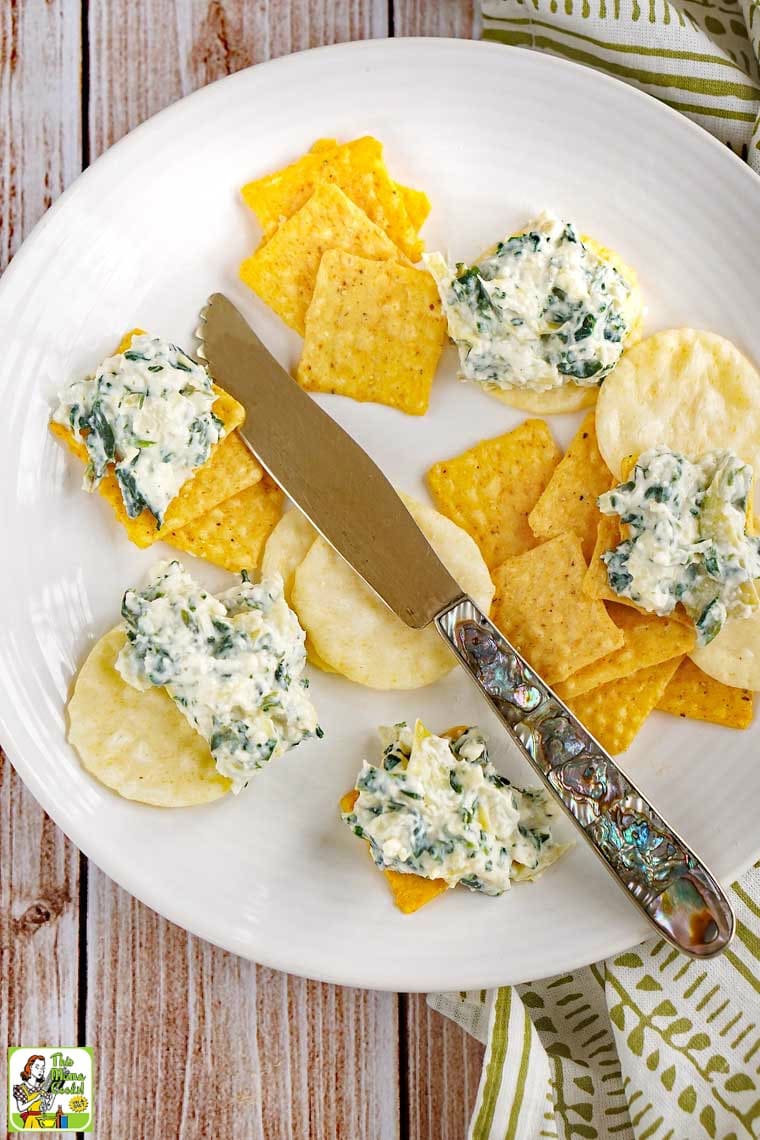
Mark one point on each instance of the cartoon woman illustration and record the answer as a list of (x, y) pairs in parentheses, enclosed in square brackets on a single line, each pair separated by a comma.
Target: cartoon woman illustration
[(32, 1096)]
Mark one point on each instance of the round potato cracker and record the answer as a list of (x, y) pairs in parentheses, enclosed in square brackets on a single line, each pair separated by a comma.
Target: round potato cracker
[(574, 397), (733, 657), (569, 398), (358, 635), (138, 744), (688, 390), (286, 548)]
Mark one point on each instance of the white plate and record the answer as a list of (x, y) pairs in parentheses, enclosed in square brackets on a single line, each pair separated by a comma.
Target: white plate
[(494, 135)]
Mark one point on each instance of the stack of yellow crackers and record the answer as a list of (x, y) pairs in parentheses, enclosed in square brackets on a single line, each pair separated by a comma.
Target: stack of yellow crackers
[(335, 263), (534, 514), (224, 513)]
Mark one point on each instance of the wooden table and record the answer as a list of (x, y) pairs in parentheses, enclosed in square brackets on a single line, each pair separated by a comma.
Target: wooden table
[(225, 1047)]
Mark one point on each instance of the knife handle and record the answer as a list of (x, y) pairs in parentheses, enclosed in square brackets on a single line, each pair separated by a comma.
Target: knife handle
[(674, 889)]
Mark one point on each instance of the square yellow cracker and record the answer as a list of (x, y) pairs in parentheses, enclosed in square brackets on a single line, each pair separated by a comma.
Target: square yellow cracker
[(615, 712), (357, 168), (374, 331), (416, 201), (410, 892), (596, 583), (569, 500), (541, 608), (648, 641), (691, 693), (417, 205), (490, 489), (229, 469), (233, 533), (283, 270)]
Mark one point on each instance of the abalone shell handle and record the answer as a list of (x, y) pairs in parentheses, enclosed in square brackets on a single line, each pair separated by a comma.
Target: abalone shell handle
[(676, 892)]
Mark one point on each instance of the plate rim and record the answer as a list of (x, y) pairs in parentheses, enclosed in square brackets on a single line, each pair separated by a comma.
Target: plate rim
[(106, 857)]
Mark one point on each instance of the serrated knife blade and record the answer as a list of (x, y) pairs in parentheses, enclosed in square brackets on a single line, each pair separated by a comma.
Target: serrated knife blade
[(324, 472)]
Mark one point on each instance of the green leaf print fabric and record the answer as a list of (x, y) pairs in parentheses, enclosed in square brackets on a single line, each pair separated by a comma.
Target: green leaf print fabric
[(698, 56), (650, 1045)]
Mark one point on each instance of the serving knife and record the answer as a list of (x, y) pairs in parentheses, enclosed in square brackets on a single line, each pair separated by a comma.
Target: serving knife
[(355, 508)]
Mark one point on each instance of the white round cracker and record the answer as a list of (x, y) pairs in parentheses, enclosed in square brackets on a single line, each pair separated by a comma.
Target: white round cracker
[(574, 397), (733, 657), (286, 548), (570, 398), (688, 390), (358, 635), (137, 743)]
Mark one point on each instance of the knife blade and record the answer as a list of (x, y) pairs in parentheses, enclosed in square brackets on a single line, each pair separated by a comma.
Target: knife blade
[(338, 487), (352, 504)]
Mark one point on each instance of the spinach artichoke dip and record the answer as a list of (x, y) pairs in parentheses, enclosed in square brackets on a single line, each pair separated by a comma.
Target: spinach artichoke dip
[(233, 664), (688, 540), (147, 411), (540, 311), (437, 807)]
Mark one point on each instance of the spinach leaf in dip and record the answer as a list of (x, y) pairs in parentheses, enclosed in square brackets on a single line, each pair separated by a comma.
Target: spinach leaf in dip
[(147, 411), (688, 541), (233, 664), (435, 806), (540, 311)]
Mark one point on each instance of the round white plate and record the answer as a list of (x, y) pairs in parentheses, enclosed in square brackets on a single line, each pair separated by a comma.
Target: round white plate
[(494, 135)]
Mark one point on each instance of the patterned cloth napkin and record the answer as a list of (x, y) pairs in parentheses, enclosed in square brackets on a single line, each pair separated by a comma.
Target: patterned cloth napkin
[(651, 1045), (698, 56)]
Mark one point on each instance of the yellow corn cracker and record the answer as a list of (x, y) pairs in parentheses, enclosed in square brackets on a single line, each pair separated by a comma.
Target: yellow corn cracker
[(283, 270), (648, 641), (410, 892), (357, 168), (417, 205), (490, 489), (615, 712), (126, 340), (322, 145), (542, 609), (374, 331), (691, 693), (138, 743), (229, 468), (569, 500), (233, 533), (416, 201)]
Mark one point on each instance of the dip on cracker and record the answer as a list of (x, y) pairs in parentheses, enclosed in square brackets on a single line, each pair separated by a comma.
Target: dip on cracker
[(436, 808), (230, 665), (544, 309), (158, 439), (686, 539)]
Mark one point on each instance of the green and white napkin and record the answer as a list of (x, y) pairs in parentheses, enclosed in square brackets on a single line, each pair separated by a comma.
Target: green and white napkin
[(699, 56), (650, 1045)]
